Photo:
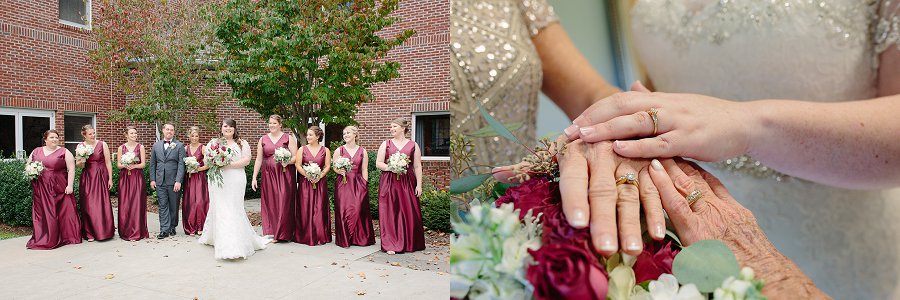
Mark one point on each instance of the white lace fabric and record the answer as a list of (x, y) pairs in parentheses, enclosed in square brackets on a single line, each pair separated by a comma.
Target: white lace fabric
[(822, 51)]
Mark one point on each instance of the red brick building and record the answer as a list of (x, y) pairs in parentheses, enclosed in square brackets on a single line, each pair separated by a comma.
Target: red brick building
[(46, 82)]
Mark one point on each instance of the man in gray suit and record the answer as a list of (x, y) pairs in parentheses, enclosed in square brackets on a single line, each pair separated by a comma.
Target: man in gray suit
[(166, 176)]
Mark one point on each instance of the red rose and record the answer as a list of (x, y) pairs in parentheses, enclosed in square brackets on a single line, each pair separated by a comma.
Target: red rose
[(535, 194), (558, 231), (566, 272), (655, 260)]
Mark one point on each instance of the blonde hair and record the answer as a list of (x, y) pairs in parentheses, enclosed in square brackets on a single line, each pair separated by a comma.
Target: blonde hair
[(277, 118), (85, 128), (403, 123), (355, 132), (193, 129)]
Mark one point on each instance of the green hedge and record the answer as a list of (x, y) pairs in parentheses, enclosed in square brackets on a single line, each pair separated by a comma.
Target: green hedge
[(15, 193), (436, 207)]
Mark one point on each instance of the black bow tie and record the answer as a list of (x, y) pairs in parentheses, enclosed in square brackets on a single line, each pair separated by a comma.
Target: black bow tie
[(167, 142)]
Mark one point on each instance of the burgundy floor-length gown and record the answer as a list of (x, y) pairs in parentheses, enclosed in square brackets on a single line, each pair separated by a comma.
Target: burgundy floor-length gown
[(196, 197), (399, 211), (278, 186), (132, 201), (352, 215), (313, 216), (53, 215), (96, 212)]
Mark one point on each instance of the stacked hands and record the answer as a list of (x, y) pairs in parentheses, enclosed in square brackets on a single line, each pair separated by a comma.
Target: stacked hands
[(605, 181)]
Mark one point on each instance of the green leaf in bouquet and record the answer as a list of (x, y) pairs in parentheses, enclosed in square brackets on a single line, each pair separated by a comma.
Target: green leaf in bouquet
[(674, 236), (499, 190), (501, 130), (489, 131), (706, 264), (467, 184)]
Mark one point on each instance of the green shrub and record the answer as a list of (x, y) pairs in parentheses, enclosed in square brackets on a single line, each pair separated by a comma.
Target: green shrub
[(249, 193), (15, 194), (436, 207)]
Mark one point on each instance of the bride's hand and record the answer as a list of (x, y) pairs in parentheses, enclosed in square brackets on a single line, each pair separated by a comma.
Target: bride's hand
[(688, 125)]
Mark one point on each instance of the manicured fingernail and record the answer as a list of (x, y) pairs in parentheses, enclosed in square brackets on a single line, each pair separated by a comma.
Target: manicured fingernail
[(586, 131), (620, 145), (633, 244), (578, 219), (656, 165), (660, 232), (571, 130), (606, 243)]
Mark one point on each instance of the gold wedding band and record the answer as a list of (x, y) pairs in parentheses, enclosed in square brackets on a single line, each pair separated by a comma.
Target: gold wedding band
[(629, 178), (654, 112), (694, 196)]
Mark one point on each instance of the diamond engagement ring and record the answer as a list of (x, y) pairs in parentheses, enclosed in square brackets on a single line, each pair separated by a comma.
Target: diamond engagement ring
[(629, 178), (694, 196), (653, 112)]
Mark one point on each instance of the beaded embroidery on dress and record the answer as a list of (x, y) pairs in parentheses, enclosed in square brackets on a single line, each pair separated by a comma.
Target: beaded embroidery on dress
[(788, 49)]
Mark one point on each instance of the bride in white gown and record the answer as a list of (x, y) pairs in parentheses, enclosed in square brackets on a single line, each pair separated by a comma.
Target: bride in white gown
[(227, 227), (846, 240)]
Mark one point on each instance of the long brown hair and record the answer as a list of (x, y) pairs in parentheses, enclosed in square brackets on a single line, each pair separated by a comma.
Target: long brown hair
[(230, 122)]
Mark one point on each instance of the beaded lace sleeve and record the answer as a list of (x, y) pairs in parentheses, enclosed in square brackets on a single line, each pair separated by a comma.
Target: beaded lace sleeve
[(538, 14), (887, 26)]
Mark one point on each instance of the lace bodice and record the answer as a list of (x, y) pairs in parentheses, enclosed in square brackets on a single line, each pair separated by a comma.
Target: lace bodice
[(788, 49)]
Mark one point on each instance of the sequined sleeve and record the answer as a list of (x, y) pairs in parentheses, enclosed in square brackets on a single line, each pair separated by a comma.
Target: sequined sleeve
[(887, 26), (538, 14)]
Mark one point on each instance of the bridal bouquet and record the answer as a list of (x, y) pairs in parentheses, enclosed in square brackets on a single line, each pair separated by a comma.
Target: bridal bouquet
[(342, 163), (216, 156), (398, 163), (83, 151), (33, 170), (283, 155), (313, 172), (515, 243), (128, 158), (191, 165)]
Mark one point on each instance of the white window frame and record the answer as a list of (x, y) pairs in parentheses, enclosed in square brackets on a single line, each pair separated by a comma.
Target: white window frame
[(93, 117), (18, 113), (87, 16), (414, 135)]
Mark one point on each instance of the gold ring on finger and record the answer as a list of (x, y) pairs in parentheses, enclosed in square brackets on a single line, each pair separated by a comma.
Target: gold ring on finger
[(654, 116), (694, 196), (629, 178)]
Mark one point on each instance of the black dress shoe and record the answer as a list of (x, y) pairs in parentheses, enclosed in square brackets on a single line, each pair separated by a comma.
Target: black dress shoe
[(162, 235), (172, 232)]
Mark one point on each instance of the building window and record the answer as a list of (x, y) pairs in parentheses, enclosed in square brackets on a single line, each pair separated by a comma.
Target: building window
[(75, 13), (28, 127), (74, 122), (432, 133)]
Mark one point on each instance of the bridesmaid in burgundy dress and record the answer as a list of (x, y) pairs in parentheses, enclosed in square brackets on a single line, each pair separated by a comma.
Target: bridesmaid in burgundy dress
[(313, 215), (54, 219), (277, 199), (399, 211), (352, 216), (96, 212), (196, 193), (132, 193)]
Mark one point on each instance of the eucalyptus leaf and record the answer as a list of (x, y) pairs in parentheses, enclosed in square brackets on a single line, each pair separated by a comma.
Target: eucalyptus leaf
[(489, 131), (501, 130), (468, 183), (706, 264)]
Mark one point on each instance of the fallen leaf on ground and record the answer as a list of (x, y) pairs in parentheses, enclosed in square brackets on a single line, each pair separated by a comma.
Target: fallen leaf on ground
[(77, 267), (363, 275), (360, 293), (110, 276), (396, 264)]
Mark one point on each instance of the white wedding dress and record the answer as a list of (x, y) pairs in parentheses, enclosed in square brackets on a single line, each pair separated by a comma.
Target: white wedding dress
[(227, 227), (846, 240)]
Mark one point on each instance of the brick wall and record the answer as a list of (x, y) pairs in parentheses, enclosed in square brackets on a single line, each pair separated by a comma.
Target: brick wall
[(43, 65)]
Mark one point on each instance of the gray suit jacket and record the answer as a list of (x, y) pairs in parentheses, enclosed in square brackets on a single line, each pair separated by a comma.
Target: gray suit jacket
[(167, 168)]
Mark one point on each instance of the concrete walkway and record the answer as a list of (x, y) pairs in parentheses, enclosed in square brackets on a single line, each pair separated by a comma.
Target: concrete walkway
[(180, 268)]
